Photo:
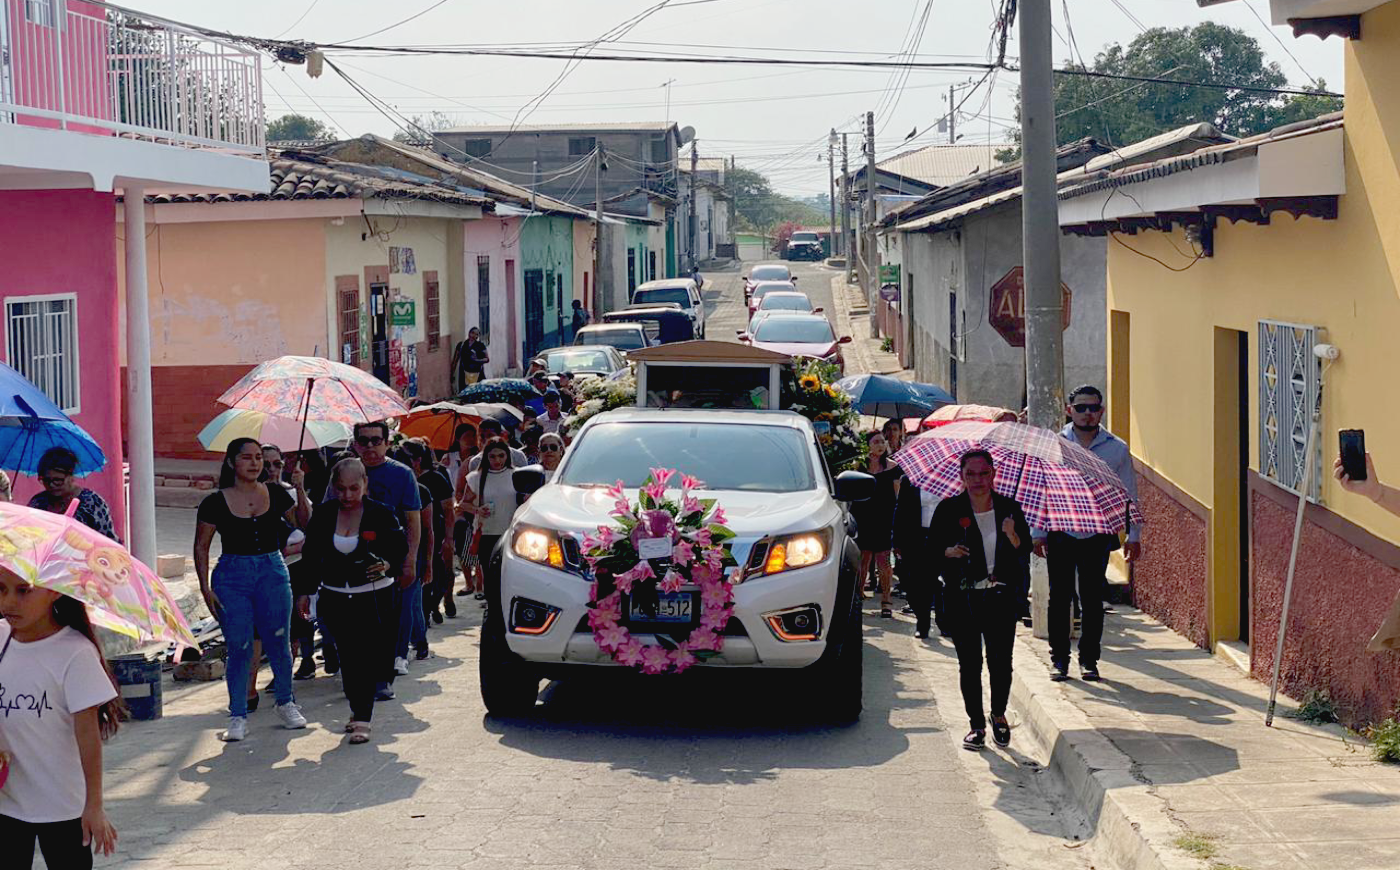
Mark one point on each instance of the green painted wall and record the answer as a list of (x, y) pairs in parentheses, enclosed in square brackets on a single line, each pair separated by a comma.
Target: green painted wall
[(547, 271)]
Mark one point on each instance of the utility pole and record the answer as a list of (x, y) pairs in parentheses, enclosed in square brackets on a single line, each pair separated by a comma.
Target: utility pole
[(872, 256), (846, 247), (952, 114), (831, 174), (598, 296), (1040, 234), (694, 186)]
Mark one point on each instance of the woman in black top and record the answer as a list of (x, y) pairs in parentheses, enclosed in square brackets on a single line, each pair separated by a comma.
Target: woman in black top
[(356, 544), (982, 544), (56, 468), (250, 586), (875, 518)]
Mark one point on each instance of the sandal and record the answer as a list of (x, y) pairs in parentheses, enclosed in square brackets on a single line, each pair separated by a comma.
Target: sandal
[(359, 732), (886, 611)]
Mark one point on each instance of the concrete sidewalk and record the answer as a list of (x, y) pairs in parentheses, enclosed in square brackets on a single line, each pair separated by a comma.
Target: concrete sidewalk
[(1170, 760)]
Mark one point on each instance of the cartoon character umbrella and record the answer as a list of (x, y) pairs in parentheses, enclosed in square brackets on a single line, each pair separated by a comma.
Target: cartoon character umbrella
[(54, 551)]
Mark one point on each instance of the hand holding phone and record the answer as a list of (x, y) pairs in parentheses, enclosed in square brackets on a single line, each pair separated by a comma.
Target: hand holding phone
[(1352, 447)]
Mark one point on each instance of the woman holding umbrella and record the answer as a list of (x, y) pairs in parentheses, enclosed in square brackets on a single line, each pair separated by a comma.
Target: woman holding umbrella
[(250, 586), (56, 473), (875, 518), (982, 543)]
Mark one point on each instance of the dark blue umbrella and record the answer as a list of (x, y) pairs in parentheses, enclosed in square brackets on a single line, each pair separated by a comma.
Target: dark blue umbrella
[(507, 390), (884, 396), (20, 398), (24, 440), (937, 395)]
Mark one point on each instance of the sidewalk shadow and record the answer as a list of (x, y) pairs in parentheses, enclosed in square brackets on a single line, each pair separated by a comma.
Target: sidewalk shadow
[(1118, 694), (717, 728)]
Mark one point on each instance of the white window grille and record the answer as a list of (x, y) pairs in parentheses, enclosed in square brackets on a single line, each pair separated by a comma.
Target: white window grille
[(1290, 388), (42, 344), (40, 12)]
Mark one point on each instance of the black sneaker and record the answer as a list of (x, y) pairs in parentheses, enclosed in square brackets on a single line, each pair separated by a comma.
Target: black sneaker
[(450, 607), (384, 693), (1001, 731), (975, 740), (1089, 673), (422, 654), (307, 670), (921, 634), (1059, 672)]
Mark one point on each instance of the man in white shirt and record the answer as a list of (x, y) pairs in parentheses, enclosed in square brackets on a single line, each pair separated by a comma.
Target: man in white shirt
[(553, 418)]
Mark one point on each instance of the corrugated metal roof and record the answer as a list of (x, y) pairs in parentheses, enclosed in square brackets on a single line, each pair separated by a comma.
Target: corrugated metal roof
[(942, 164), (595, 127)]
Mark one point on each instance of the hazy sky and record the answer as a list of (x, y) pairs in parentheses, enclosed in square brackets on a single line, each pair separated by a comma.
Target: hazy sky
[(773, 119)]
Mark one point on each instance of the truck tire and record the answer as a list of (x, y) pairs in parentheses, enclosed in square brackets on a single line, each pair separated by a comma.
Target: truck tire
[(509, 688), (837, 678)]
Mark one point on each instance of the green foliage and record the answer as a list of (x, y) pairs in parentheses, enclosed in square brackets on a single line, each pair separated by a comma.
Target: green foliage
[(290, 128), (1200, 846), (817, 399), (1119, 112), (1317, 708), (1385, 740), (887, 344), (759, 207)]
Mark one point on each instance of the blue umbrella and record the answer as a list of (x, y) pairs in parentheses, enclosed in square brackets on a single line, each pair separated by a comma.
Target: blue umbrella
[(884, 396), (20, 398), (937, 395), (24, 440)]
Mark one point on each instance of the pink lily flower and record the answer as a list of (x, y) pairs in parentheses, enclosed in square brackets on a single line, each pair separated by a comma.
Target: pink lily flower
[(718, 517), (589, 543), (714, 557), (681, 660), (688, 483), (609, 608), (690, 504), (622, 510), (655, 660), (616, 491), (703, 537), (660, 475), (703, 640), (607, 536), (683, 553), (716, 596), (599, 621), (672, 582), (610, 639), (655, 491), (714, 619), (704, 575), (630, 653), (623, 582), (593, 591)]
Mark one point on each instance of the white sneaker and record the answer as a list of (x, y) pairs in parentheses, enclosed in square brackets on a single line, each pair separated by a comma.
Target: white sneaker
[(291, 715), (237, 729), (401, 666)]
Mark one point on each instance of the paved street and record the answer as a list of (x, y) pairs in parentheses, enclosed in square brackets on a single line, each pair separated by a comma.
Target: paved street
[(703, 771)]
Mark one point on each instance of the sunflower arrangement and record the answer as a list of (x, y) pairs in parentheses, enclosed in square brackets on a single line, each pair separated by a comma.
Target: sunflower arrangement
[(830, 410)]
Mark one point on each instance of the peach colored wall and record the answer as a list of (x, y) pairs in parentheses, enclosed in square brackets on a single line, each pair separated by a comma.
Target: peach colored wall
[(231, 292)]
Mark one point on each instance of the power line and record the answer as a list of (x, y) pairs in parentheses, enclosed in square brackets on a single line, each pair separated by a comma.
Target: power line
[(293, 25), (1281, 43), (398, 23)]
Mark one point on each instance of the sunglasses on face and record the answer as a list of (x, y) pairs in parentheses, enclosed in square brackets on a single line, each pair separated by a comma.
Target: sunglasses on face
[(276, 463), (54, 481), (550, 448), (369, 441), (1086, 409)]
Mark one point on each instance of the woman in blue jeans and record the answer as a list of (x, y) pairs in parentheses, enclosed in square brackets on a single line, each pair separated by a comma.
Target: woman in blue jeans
[(250, 586)]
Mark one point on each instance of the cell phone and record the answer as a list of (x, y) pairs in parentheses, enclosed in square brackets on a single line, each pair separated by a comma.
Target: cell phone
[(1352, 445)]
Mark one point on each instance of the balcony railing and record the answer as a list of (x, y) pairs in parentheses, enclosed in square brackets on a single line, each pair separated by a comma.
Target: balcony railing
[(81, 66)]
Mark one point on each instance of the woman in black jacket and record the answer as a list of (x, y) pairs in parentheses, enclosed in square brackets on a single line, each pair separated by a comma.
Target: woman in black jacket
[(912, 514), (982, 595), (354, 544)]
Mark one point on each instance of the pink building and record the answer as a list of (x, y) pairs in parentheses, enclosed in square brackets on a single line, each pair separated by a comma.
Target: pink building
[(94, 104)]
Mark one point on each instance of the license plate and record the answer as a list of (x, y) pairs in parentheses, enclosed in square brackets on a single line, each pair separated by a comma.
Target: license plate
[(670, 607)]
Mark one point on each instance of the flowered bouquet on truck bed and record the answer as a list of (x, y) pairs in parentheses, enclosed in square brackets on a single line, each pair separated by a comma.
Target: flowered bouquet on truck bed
[(838, 425)]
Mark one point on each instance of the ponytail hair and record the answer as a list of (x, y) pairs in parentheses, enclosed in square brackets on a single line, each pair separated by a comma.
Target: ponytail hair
[(72, 613)]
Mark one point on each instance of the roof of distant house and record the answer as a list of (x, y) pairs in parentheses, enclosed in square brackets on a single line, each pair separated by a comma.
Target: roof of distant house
[(942, 164), (605, 127), (705, 164)]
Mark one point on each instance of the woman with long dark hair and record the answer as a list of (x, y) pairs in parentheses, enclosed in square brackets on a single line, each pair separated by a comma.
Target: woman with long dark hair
[(875, 518), (250, 587), (982, 543), (53, 787), (492, 499), (355, 545)]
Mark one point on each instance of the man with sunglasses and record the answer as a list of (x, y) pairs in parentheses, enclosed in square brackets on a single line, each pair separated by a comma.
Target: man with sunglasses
[(1081, 554)]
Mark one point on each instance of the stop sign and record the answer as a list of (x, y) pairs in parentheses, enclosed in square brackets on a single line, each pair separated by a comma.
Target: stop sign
[(1007, 310)]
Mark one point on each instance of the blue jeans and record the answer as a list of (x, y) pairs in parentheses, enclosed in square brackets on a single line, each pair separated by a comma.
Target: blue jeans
[(413, 622), (255, 592)]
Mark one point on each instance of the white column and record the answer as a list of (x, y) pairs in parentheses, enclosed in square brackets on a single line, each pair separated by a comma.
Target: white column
[(140, 435)]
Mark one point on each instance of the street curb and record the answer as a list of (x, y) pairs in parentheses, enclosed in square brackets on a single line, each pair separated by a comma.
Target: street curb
[(1133, 827), (860, 360)]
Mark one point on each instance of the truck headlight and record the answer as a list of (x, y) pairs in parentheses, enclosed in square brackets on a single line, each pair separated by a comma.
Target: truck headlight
[(785, 553), (540, 546)]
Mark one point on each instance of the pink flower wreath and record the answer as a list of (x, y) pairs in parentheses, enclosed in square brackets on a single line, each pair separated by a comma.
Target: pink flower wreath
[(695, 531)]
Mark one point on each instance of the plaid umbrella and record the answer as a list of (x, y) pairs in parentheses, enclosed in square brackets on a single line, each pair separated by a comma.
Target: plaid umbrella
[(1061, 486), (309, 388)]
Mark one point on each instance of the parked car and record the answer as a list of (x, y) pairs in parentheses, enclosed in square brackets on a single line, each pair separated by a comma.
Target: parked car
[(782, 302), (804, 246), (663, 323), (765, 287), (623, 336), (798, 335), (796, 602), (682, 291), (767, 272), (599, 360)]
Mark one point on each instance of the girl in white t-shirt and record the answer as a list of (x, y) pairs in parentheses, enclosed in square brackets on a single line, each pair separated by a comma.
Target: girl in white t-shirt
[(58, 702)]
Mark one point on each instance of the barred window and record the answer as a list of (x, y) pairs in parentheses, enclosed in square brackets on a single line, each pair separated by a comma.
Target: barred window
[(478, 148), (42, 335), (1290, 388), (483, 297), (433, 314)]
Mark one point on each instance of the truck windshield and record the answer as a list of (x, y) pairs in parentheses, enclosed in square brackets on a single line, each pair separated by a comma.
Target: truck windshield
[(622, 338), (795, 330), (753, 458), (658, 295), (804, 237)]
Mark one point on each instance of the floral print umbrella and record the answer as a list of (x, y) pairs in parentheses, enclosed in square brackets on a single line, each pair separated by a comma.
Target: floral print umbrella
[(55, 551), (507, 390), (309, 388)]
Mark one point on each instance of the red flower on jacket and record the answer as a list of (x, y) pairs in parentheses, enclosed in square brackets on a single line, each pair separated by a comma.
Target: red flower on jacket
[(965, 522), (368, 535)]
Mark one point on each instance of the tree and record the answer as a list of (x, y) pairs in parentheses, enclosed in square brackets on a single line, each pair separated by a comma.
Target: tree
[(1119, 112), (293, 128), (759, 207), (422, 127)]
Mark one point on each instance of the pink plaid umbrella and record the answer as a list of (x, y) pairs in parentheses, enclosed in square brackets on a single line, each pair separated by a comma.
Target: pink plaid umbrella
[(310, 388), (1061, 486)]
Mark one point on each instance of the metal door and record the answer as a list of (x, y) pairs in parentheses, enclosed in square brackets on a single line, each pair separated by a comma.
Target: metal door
[(379, 330), (534, 311)]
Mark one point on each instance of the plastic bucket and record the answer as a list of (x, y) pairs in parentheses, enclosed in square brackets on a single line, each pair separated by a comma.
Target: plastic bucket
[(138, 680)]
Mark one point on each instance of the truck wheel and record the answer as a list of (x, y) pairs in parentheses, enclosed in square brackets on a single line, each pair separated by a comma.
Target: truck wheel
[(837, 677), (508, 687)]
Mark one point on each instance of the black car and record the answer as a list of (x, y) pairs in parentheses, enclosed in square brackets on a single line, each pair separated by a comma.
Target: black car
[(804, 246)]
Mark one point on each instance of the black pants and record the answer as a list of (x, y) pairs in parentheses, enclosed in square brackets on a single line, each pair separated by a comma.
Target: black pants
[(988, 616), (366, 628), (925, 596), (61, 843), (440, 592), (1086, 559)]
